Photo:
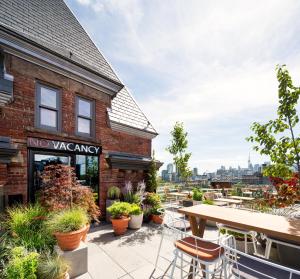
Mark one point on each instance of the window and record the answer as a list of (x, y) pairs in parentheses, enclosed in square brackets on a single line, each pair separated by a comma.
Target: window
[(48, 107), (85, 117)]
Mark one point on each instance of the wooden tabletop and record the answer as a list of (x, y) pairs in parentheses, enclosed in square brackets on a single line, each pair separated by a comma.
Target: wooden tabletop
[(178, 194), (271, 225), (228, 200), (242, 198)]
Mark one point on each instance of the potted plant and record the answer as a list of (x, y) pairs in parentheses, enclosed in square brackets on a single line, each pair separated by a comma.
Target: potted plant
[(188, 201), (157, 215), (119, 212), (53, 267), (68, 227), (113, 195), (152, 201), (136, 217), (197, 196)]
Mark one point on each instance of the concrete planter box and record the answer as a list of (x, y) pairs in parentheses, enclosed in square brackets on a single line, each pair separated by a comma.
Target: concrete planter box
[(108, 204), (136, 221)]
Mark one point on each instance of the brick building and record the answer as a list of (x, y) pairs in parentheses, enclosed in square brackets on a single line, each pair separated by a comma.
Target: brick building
[(61, 102)]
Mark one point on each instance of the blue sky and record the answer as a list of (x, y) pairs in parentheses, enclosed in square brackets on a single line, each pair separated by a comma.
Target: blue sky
[(209, 64)]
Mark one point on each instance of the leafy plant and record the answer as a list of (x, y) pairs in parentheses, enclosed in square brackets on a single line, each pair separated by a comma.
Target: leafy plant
[(27, 225), (68, 220), (135, 210), (118, 210), (277, 138), (152, 200), (113, 193), (22, 264), (209, 202), (61, 190), (197, 194), (52, 267)]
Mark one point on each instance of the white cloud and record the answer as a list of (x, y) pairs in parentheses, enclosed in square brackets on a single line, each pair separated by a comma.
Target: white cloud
[(216, 58)]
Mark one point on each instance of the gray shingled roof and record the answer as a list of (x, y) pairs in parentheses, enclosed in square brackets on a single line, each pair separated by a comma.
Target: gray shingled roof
[(51, 24), (126, 111)]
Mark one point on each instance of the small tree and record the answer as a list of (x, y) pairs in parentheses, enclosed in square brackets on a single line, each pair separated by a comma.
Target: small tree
[(178, 149), (152, 176), (277, 138)]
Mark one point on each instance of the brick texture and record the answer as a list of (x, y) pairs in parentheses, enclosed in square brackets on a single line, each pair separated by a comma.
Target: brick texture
[(17, 121)]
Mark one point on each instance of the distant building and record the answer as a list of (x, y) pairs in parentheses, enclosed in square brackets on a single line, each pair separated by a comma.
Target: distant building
[(170, 168)]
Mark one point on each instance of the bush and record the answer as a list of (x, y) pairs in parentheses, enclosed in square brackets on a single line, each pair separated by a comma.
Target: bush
[(22, 264), (68, 220), (197, 194), (209, 202), (152, 200), (113, 193), (119, 210), (27, 225), (135, 210), (52, 267)]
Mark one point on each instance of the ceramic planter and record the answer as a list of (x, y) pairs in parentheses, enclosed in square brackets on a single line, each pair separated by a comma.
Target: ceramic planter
[(71, 240), (85, 232), (108, 204), (120, 225), (187, 203), (135, 221), (157, 219)]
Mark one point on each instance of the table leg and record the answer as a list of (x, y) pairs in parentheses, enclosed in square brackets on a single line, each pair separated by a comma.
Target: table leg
[(197, 230)]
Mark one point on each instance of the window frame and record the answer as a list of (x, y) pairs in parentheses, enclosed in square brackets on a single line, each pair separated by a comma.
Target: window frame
[(91, 118), (39, 106)]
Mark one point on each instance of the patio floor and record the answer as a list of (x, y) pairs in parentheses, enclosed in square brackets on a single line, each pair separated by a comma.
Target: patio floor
[(130, 256)]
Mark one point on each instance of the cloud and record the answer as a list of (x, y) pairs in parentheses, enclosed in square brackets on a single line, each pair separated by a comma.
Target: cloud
[(210, 64)]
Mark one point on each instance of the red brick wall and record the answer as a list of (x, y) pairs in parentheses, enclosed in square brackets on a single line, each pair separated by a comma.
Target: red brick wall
[(17, 122)]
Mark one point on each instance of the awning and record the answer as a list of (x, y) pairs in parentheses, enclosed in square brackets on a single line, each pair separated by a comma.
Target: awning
[(7, 151), (128, 161)]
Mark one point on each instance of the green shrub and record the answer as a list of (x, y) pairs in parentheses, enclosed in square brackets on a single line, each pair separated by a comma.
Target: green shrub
[(119, 210), (113, 193), (27, 224), (22, 264), (52, 267), (197, 194), (132, 198), (153, 200), (68, 220), (209, 202), (156, 210), (135, 210)]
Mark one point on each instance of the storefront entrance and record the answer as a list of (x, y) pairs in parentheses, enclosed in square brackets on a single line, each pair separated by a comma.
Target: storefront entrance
[(86, 168)]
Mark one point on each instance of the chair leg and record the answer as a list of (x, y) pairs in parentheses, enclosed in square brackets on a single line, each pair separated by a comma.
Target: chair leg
[(224, 264), (246, 245), (174, 264), (181, 266), (254, 243), (268, 248), (206, 272)]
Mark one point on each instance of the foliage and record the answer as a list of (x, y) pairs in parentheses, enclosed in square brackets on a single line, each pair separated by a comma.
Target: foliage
[(5, 248), (61, 190), (209, 202), (118, 210), (156, 210), (113, 193), (197, 194), (292, 181), (135, 210), (152, 182), (27, 225), (152, 200), (52, 267), (68, 220), (22, 264), (272, 138), (178, 149)]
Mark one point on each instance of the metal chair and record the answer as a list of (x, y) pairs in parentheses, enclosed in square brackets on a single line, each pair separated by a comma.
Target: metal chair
[(196, 255), (241, 265)]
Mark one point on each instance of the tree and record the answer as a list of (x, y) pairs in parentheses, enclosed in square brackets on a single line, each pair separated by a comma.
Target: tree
[(277, 137), (152, 182), (178, 149)]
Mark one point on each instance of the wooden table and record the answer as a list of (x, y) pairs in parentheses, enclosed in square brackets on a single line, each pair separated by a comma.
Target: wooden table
[(229, 201), (242, 198), (178, 195)]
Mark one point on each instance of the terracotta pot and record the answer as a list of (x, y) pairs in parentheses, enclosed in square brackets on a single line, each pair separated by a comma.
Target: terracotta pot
[(157, 219), (120, 225), (69, 241), (85, 232)]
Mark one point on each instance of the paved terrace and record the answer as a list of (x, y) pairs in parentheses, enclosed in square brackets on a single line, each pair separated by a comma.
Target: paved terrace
[(130, 256)]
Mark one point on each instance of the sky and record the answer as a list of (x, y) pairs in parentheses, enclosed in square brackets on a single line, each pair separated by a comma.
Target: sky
[(208, 64)]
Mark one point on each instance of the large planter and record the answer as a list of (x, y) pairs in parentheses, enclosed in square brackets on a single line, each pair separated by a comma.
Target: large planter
[(288, 256), (120, 225), (71, 240), (85, 232), (157, 219), (187, 203), (135, 221), (108, 204)]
